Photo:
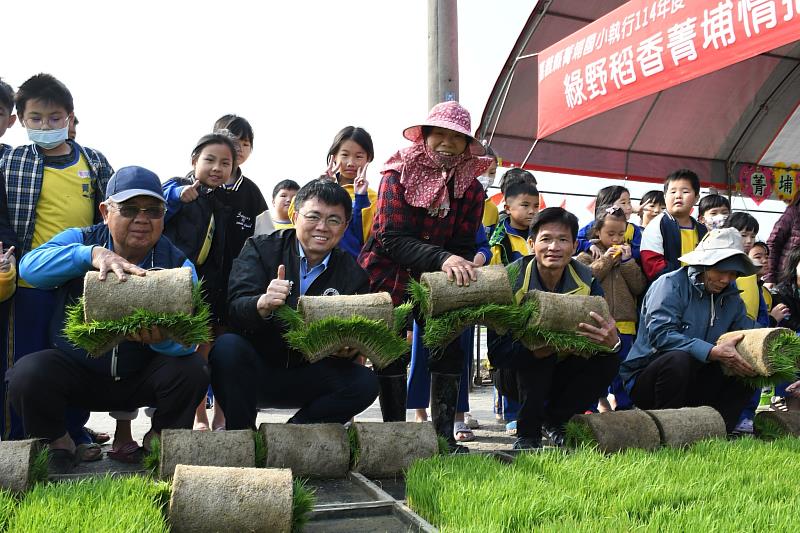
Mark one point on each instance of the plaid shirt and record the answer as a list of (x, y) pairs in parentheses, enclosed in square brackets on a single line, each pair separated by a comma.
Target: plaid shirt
[(22, 173), (407, 241)]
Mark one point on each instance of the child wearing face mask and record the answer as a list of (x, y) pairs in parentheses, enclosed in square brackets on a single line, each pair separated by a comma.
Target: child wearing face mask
[(713, 210), (196, 222), (623, 282), (619, 196), (52, 184)]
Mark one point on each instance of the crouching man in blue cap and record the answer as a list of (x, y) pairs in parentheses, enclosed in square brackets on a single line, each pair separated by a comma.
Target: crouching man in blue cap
[(675, 361), (146, 369)]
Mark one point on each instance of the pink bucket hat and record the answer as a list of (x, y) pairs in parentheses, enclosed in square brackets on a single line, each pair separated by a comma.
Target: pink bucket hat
[(449, 115)]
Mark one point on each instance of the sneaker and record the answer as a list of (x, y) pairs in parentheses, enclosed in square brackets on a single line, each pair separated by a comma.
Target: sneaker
[(472, 423), (745, 426), (527, 444), (512, 426), (555, 435)]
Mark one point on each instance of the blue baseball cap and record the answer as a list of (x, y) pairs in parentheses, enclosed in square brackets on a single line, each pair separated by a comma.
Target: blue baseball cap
[(128, 182)]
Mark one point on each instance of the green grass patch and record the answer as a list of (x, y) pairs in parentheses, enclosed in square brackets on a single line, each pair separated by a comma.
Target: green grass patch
[(100, 505), (152, 459), (372, 338), (261, 449), (401, 314), (715, 485), (97, 336), (420, 296), (578, 435), (355, 447), (303, 500)]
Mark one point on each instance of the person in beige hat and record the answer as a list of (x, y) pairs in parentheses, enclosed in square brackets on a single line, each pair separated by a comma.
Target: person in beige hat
[(675, 361)]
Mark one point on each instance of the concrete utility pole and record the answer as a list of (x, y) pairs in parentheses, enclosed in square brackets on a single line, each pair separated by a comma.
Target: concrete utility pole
[(442, 51)]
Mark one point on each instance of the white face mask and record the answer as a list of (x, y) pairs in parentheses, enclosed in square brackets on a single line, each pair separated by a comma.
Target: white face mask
[(485, 181), (717, 221), (48, 139)]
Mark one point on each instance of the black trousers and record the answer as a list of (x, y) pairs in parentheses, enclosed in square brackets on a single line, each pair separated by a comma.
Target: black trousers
[(551, 391), (330, 390), (42, 385), (676, 379)]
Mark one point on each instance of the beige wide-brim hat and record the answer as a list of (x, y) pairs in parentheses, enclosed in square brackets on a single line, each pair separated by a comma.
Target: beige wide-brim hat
[(723, 249)]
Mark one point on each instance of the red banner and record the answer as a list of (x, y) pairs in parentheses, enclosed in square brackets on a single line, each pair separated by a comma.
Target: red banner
[(646, 46)]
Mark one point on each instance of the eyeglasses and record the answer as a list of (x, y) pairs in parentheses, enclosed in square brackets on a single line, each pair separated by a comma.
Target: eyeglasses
[(131, 211), (36, 123), (332, 221)]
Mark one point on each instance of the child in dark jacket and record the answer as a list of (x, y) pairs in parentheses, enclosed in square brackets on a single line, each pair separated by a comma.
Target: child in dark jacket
[(196, 222), (622, 281)]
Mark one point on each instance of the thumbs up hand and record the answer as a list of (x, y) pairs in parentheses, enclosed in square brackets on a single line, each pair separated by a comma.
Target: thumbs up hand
[(277, 292), (190, 192)]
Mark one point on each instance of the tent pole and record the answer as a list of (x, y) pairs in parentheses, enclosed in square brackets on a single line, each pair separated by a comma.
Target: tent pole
[(442, 51)]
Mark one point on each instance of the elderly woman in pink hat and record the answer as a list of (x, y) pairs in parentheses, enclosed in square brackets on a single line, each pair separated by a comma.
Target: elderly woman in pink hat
[(429, 208)]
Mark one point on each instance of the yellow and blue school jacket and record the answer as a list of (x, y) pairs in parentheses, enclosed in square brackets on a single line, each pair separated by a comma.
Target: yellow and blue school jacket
[(508, 244), (633, 236), (752, 295)]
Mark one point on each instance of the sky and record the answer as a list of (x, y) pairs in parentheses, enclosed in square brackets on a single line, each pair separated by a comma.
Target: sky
[(150, 78)]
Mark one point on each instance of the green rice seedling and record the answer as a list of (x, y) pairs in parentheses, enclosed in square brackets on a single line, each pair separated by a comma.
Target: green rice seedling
[(152, 459), (401, 314), (97, 335), (768, 429), (355, 447), (104, 504), (38, 472), (420, 296), (444, 446), (303, 501), (714, 485), (783, 355), (8, 505), (579, 435), (442, 330), (372, 338), (261, 449)]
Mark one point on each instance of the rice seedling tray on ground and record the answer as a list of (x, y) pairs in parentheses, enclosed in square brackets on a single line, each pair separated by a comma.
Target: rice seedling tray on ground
[(357, 504)]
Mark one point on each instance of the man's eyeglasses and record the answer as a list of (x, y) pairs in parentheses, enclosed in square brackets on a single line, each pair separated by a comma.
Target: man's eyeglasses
[(37, 123), (332, 221), (131, 211)]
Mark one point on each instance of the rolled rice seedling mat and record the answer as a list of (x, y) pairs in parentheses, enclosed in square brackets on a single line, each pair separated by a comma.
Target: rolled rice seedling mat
[(491, 287), (372, 338), (213, 499), (99, 336), (376, 306), (386, 449), (772, 352), (18, 464), (614, 431), (310, 450), (554, 322), (205, 448), (770, 425), (159, 291), (685, 426)]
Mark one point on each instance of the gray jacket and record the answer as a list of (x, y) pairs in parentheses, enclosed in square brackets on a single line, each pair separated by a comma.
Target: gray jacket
[(679, 314)]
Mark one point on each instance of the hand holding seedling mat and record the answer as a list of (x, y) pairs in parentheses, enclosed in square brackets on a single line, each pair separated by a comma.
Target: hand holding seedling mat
[(773, 353), (325, 325), (111, 310)]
